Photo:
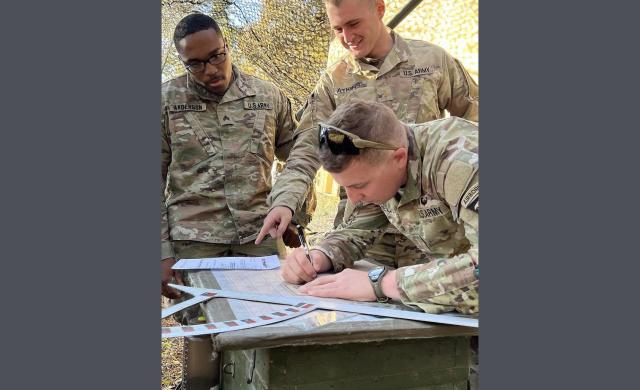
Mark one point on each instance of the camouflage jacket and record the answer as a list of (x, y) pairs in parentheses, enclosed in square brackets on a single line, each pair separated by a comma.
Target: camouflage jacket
[(417, 80), (217, 155), (437, 210)]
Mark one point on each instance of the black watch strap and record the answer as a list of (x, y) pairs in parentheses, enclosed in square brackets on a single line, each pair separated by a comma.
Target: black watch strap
[(375, 277)]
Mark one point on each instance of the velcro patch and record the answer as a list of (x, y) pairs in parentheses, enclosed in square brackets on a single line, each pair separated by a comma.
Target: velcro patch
[(187, 107), (420, 70), (470, 196), (257, 105), (456, 180), (384, 93)]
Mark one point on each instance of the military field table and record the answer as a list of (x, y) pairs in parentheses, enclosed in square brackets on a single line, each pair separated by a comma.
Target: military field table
[(329, 349)]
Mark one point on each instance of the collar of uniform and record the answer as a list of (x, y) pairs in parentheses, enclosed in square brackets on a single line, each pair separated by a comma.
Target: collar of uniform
[(359, 67), (399, 53), (201, 91), (413, 187), (240, 87)]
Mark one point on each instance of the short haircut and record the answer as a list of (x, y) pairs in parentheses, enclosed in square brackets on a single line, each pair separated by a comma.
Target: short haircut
[(192, 24), (370, 121), (338, 2)]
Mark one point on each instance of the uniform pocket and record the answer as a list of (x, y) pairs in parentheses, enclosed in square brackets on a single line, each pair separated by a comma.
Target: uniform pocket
[(424, 105), (262, 140), (190, 144), (438, 231)]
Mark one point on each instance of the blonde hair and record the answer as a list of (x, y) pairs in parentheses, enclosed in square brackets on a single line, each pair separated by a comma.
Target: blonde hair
[(338, 2)]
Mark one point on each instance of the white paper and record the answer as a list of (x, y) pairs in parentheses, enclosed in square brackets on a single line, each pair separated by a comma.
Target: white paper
[(282, 314), (271, 283), (256, 263), (348, 306), (184, 304)]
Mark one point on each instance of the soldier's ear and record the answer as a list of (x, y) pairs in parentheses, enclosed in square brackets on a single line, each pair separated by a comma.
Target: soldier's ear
[(399, 157), (380, 8)]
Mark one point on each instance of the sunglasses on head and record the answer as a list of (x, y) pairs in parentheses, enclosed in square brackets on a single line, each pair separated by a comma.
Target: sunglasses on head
[(342, 142)]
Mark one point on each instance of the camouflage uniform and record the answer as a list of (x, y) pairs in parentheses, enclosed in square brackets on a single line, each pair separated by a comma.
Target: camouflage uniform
[(417, 80), (437, 210), (217, 154)]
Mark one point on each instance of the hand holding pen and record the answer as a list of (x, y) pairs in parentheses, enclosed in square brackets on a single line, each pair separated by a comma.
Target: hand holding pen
[(302, 265), (303, 242)]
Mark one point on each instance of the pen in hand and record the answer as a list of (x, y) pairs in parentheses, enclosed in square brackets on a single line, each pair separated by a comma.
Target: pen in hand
[(303, 242)]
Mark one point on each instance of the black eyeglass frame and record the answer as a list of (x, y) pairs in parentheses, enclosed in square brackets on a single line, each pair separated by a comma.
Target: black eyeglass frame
[(350, 144), (199, 63)]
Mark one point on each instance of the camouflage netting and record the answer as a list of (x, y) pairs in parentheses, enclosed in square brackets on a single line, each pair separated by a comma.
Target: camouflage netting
[(452, 24), (289, 41)]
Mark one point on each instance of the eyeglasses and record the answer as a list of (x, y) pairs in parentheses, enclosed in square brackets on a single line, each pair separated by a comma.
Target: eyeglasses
[(197, 66), (342, 142)]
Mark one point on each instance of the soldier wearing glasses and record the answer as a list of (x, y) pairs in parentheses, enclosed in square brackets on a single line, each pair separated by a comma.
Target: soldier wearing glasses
[(221, 130), (423, 179)]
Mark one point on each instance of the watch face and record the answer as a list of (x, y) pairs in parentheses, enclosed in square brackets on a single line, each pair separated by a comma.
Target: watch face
[(374, 274)]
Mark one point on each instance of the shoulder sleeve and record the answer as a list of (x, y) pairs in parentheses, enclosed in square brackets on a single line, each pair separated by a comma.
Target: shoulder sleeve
[(450, 160), (451, 164), (285, 126), (166, 248), (458, 93), (291, 187)]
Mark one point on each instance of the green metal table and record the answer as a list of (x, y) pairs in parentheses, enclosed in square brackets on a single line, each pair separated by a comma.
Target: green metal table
[(335, 350)]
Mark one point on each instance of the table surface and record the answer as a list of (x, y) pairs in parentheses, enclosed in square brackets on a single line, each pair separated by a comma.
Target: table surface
[(317, 327)]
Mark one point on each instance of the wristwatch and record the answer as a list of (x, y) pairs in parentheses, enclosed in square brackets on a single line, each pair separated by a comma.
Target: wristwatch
[(375, 277)]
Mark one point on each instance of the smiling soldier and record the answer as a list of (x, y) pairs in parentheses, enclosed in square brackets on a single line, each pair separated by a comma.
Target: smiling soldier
[(417, 80)]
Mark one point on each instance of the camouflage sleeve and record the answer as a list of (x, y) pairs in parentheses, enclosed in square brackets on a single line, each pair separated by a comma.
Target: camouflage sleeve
[(166, 249), (451, 163), (458, 93), (446, 284), (349, 241), (285, 127), (291, 187), (442, 285), (284, 143)]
